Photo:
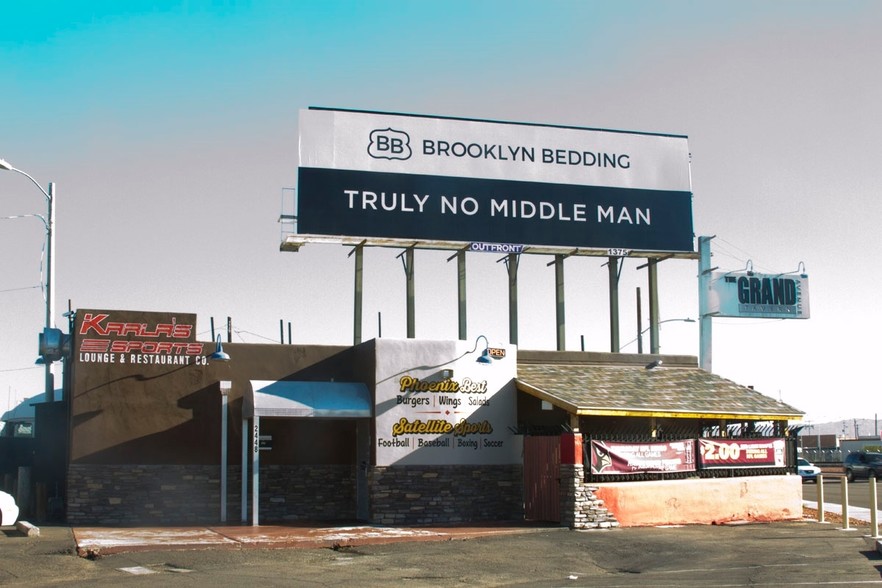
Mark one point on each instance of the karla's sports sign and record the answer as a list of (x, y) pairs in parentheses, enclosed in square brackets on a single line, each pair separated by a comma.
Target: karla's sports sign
[(137, 338), (398, 176)]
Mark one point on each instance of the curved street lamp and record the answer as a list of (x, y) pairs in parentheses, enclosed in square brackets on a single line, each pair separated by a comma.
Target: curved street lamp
[(49, 221), (640, 335)]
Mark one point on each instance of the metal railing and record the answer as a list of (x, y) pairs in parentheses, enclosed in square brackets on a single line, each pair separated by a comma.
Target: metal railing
[(682, 435), (817, 456)]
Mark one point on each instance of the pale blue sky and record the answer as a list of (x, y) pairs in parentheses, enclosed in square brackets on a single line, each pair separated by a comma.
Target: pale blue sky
[(170, 129)]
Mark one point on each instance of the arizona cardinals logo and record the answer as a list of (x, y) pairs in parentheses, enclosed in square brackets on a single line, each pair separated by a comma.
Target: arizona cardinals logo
[(600, 459)]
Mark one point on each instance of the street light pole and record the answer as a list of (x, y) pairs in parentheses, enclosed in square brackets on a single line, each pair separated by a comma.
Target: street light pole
[(50, 264)]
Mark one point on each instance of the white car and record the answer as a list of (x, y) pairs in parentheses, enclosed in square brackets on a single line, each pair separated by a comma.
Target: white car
[(8, 510), (807, 470)]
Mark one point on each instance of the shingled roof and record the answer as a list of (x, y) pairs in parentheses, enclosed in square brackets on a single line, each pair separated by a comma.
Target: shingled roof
[(621, 385)]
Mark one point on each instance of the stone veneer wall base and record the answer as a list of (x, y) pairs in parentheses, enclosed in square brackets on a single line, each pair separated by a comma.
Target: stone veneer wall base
[(190, 494), (579, 507), (446, 494)]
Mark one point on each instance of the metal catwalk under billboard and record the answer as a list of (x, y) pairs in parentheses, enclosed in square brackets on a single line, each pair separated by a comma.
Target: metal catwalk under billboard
[(400, 176)]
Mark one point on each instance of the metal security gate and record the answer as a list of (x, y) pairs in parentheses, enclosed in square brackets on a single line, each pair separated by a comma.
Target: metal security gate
[(542, 478)]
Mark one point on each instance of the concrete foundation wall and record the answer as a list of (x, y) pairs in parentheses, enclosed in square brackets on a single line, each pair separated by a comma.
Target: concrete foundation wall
[(703, 501)]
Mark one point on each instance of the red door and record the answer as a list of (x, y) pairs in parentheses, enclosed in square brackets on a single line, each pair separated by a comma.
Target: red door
[(542, 479)]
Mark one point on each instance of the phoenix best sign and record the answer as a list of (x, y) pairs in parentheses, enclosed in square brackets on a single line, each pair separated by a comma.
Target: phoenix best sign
[(413, 177), (435, 405)]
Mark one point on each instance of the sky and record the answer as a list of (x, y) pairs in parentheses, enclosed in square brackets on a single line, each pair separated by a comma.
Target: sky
[(170, 130)]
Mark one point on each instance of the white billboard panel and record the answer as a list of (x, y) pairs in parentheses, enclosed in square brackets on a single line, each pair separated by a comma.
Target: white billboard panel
[(401, 144), (414, 177)]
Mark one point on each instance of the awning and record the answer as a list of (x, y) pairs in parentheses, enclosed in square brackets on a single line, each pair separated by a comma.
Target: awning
[(25, 412), (271, 398)]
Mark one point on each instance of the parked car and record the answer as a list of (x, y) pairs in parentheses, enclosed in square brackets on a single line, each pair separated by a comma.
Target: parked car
[(860, 464), (807, 470), (8, 510)]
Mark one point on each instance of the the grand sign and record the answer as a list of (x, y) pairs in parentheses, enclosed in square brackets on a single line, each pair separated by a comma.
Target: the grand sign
[(753, 295), (396, 176)]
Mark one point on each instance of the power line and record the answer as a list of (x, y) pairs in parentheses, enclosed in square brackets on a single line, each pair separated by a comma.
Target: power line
[(21, 288), (33, 367), (744, 260)]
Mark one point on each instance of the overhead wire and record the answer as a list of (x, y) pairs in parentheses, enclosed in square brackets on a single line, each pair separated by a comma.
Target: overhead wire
[(21, 288), (721, 250)]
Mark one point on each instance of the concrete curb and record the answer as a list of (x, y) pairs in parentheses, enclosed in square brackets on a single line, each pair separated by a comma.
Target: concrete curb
[(92, 542), (27, 529)]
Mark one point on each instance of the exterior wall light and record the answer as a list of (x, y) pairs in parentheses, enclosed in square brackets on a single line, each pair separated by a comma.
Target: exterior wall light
[(219, 353), (485, 355)]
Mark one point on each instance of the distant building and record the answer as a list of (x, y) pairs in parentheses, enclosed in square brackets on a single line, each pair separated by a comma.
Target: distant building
[(861, 444), (810, 441)]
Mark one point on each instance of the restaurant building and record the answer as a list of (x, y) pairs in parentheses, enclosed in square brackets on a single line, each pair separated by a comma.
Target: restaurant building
[(165, 429)]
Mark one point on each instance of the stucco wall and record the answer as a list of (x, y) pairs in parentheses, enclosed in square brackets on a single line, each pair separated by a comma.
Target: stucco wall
[(703, 501)]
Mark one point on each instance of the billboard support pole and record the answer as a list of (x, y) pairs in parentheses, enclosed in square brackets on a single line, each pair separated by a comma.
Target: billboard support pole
[(560, 306), (639, 323), (511, 264), (613, 267), (407, 260), (461, 292), (705, 318), (652, 273), (359, 292)]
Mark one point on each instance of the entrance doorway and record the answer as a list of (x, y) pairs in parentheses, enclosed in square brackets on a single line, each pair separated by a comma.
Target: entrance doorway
[(542, 479)]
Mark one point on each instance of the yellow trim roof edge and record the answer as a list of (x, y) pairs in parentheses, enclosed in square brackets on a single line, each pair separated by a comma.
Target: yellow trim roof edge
[(685, 415)]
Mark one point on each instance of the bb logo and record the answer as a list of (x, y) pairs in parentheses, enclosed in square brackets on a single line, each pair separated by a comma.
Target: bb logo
[(389, 144)]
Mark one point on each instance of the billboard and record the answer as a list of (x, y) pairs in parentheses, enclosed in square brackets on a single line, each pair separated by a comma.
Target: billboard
[(380, 175), (753, 295)]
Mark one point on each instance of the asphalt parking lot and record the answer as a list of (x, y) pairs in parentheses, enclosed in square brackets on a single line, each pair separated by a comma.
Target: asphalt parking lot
[(763, 554)]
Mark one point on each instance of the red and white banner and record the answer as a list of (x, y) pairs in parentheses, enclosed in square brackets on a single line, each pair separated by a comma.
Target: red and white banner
[(608, 457), (741, 453)]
